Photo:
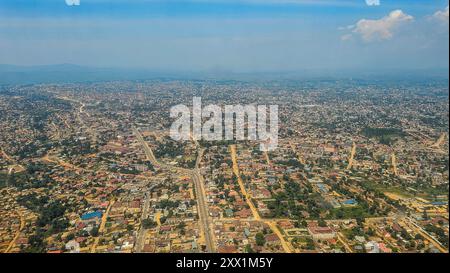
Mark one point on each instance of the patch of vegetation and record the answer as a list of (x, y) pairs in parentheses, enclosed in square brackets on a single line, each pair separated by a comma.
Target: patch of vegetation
[(260, 240), (286, 204), (50, 212), (385, 136), (29, 178), (356, 212), (51, 218), (3, 179), (149, 223), (440, 233)]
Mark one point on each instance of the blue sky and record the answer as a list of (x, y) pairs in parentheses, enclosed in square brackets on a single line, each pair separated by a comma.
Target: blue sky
[(235, 35)]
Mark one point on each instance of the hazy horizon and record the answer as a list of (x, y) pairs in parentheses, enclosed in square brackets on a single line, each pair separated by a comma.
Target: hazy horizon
[(71, 73)]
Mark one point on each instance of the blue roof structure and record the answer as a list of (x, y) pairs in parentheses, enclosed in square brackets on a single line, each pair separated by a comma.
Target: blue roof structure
[(349, 202), (91, 215), (440, 203)]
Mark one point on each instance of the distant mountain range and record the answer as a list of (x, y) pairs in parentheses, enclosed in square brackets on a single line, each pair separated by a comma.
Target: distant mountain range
[(68, 73), (62, 73)]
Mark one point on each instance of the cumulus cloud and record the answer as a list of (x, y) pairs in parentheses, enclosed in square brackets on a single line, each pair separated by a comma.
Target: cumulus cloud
[(373, 2), (441, 15), (73, 2), (381, 29), (346, 37)]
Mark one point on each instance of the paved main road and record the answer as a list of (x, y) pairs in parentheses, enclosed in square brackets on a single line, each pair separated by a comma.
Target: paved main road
[(198, 184), (140, 240), (203, 210)]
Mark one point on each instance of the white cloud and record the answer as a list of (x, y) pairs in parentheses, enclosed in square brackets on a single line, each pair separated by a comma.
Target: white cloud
[(346, 37), (73, 2), (373, 2), (381, 29), (441, 15)]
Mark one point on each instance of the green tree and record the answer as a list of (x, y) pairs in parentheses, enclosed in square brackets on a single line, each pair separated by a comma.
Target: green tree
[(148, 223), (249, 249), (322, 223), (260, 240), (94, 232)]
